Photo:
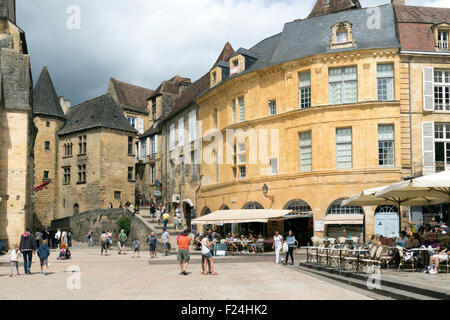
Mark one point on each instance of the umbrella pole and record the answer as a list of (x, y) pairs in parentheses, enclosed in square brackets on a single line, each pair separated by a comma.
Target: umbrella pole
[(399, 208)]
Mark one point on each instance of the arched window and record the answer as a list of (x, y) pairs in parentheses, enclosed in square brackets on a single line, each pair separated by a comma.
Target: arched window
[(298, 206), (336, 208), (205, 211), (76, 209), (253, 205), (386, 209), (224, 207)]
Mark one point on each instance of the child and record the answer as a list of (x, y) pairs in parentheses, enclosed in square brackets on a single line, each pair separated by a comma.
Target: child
[(62, 253), (14, 259), (43, 253), (136, 245)]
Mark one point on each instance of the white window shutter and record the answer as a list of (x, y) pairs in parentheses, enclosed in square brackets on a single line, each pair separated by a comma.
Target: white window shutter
[(192, 116), (148, 146), (428, 148), (428, 89), (181, 131), (172, 136)]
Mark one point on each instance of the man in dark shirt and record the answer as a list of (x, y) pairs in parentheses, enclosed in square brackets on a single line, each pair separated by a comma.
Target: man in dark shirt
[(27, 247)]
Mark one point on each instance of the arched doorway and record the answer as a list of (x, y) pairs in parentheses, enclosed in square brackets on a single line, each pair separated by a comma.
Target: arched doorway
[(187, 207), (302, 224), (387, 221), (76, 209), (336, 229), (254, 228), (206, 211)]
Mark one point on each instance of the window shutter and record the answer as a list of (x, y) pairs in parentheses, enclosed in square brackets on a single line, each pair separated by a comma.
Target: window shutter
[(136, 147), (181, 132), (148, 146), (140, 125), (172, 136), (428, 148), (428, 90)]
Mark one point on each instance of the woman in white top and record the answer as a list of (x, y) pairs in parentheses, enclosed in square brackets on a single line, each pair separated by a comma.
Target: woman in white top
[(14, 260), (206, 252), (277, 245)]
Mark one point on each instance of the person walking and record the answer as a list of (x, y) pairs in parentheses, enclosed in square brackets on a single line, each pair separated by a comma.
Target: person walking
[(152, 240), (27, 247), (206, 252), (43, 253), (277, 245), (69, 238), (165, 241), (104, 243), (122, 240), (158, 216), (90, 240), (38, 236), (153, 211), (110, 239), (58, 237), (136, 247), (165, 218), (46, 235), (183, 251), (291, 241), (14, 260)]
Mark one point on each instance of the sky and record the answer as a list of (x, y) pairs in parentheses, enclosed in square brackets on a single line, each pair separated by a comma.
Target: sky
[(84, 43)]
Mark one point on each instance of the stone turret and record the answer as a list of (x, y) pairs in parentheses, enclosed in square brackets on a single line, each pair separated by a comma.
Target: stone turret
[(8, 9)]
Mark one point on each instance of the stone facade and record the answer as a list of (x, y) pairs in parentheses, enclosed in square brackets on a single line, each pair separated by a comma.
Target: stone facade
[(16, 129)]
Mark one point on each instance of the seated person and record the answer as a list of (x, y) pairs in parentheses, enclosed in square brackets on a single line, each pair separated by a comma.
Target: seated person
[(414, 241), (243, 243), (375, 240), (440, 256), (402, 241), (428, 236), (252, 244), (229, 240), (260, 242)]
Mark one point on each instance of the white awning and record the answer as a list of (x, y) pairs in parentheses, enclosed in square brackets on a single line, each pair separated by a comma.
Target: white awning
[(241, 216), (344, 219)]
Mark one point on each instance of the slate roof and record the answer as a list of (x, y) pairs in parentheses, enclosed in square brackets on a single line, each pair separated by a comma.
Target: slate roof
[(132, 97), (45, 99), (415, 26), (101, 112), (321, 8), (312, 36), (225, 55)]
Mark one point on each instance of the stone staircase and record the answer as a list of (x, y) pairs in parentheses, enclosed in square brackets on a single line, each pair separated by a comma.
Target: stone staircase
[(144, 213)]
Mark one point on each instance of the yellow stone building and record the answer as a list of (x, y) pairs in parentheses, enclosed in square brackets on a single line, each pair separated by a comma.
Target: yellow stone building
[(16, 128), (323, 112)]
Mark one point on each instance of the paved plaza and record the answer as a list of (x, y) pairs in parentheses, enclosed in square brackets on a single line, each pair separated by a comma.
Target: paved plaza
[(121, 277)]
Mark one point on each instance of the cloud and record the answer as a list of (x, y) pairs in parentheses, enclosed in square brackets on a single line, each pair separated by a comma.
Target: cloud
[(145, 41)]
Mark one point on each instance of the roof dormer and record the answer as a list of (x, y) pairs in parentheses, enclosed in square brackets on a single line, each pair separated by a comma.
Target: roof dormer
[(441, 34), (242, 60), (342, 36), (219, 73)]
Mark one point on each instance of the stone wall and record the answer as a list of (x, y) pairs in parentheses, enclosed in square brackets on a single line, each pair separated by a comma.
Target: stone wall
[(102, 220)]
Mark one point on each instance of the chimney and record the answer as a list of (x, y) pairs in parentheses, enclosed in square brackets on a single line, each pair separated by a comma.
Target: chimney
[(398, 1), (8, 9), (65, 104)]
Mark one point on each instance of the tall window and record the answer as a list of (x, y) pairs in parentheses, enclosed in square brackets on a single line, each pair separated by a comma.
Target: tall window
[(154, 108), (273, 166), (243, 172), (153, 142), (241, 109), (47, 145), (443, 40), (216, 119), (194, 163), (66, 177), (68, 149), (234, 111), (305, 151), (343, 84), (130, 173), (272, 107), (305, 90), (385, 145), (142, 155), (385, 82), (240, 154), (82, 145), (152, 174), (442, 145), (130, 145), (132, 121), (442, 90), (344, 148), (182, 169), (46, 174), (192, 125), (173, 173), (82, 173)]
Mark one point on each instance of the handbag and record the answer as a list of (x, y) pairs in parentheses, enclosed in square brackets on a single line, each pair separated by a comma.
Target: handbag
[(285, 247)]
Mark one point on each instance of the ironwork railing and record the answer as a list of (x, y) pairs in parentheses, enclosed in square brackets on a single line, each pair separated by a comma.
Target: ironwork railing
[(443, 45)]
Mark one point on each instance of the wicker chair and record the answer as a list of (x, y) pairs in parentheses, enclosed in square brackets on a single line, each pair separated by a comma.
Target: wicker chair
[(406, 259), (387, 255), (375, 256)]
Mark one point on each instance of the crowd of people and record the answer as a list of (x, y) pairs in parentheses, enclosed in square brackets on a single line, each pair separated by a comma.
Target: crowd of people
[(38, 243)]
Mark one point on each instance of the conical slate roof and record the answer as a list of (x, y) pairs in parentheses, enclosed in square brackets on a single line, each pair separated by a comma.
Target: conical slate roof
[(101, 112), (45, 99)]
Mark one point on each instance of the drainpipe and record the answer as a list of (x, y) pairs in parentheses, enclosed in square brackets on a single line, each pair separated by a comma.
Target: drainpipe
[(410, 119)]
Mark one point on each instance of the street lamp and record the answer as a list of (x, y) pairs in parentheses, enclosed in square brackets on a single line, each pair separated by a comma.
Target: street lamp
[(265, 190)]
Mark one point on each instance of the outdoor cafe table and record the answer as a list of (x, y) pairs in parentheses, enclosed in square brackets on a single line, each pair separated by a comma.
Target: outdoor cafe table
[(359, 251)]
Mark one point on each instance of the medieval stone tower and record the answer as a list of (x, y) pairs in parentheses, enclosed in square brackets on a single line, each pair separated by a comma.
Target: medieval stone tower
[(48, 117), (16, 128)]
